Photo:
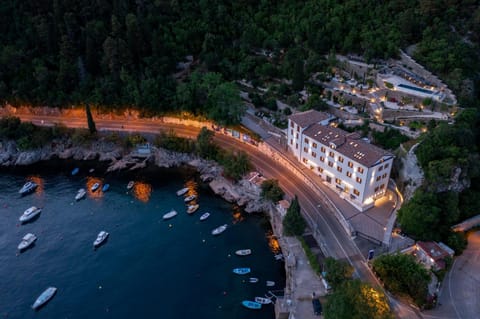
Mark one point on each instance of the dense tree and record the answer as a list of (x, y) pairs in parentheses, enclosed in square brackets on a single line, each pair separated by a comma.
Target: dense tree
[(205, 146), (293, 223), (337, 272), (271, 190), (91, 123)]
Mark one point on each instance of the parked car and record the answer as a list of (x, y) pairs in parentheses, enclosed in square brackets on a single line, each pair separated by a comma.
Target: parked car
[(317, 307)]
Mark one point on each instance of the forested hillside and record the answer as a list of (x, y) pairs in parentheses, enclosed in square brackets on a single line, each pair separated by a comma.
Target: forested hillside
[(123, 52)]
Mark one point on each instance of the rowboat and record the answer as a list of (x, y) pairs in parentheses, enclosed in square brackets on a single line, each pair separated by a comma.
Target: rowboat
[(130, 185), (75, 171), (182, 191), (253, 280), (241, 271), (170, 214), (44, 297), (251, 304), (95, 187), (243, 252), (219, 230), (105, 187), (270, 283), (190, 198), (204, 216), (80, 194), (192, 208), (263, 300)]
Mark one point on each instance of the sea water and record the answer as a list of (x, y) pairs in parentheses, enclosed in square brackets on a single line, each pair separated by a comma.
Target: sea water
[(148, 267)]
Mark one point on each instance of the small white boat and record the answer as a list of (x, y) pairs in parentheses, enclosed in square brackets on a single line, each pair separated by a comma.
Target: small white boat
[(278, 257), (204, 216), (182, 191), (44, 297), (243, 252), (253, 280), (130, 185), (190, 198), (219, 230), (95, 187), (263, 300), (101, 237), (270, 283), (80, 194), (170, 214), (192, 208), (29, 214), (27, 241), (241, 271), (28, 187)]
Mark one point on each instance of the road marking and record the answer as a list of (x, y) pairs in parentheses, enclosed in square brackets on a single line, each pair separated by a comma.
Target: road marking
[(450, 289)]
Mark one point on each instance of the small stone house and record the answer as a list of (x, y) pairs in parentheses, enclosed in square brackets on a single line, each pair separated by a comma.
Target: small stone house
[(432, 254)]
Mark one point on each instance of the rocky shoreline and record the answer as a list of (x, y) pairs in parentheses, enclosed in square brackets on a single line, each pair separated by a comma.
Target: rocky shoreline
[(242, 193)]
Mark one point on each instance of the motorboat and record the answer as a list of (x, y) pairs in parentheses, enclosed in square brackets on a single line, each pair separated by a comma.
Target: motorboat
[(270, 283), (278, 256), (29, 214), (170, 214), (75, 171), (95, 187), (241, 271), (219, 230), (243, 252), (251, 304), (80, 194), (105, 187), (44, 297), (130, 185), (190, 198), (263, 300), (182, 191), (28, 187), (253, 280), (27, 241), (204, 216), (101, 237), (192, 208)]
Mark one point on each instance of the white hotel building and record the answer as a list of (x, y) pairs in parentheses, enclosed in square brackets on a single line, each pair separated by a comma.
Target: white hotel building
[(358, 170)]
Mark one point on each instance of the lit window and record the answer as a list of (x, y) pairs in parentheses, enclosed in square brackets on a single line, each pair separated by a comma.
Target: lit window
[(381, 167), (350, 164), (314, 154), (356, 192), (330, 164), (360, 170), (331, 154), (379, 178), (314, 145), (339, 169), (320, 169), (305, 160), (306, 140), (384, 175), (305, 149), (386, 166), (322, 159), (340, 159), (359, 180), (322, 149), (338, 181), (376, 189), (349, 174), (382, 186)]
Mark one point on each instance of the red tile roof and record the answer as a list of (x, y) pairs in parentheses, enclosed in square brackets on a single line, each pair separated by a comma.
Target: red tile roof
[(304, 119)]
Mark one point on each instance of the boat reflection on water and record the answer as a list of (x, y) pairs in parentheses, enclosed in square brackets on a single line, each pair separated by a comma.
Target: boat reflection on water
[(91, 180), (142, 191), (273, 243), (40, 182)]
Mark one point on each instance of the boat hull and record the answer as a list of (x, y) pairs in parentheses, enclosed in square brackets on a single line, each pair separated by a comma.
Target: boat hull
[(44, 297), (251, 304)]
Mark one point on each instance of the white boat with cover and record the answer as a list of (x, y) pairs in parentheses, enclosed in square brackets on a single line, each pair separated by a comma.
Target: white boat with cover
[(190, 198), (204, 216), (219, 230), (29, 214), (95, 187), (182, 191), (253, 280), (27, 241), (263, 300), (192, 208), (130, 185), (44, 297), (80, 194), (170, 214), (101, 237), (28, 187), (243, 252), (270, 283)]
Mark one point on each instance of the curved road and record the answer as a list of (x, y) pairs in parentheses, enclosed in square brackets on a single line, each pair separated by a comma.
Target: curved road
[(335, 240)]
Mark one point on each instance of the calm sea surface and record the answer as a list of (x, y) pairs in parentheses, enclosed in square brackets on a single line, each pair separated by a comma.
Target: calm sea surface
[(148, 268)]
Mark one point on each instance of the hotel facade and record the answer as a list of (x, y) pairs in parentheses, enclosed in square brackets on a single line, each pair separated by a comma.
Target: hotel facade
[(356, 169)]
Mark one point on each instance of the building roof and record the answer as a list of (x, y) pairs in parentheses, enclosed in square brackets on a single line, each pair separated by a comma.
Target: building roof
[(348, 144), (433, 250), (285, 204), (304, 119)]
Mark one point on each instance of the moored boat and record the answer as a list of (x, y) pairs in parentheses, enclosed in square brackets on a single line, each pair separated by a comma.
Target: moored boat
[(243, 252), (263, 300), (75, 171), (170, 214), (27, 241), (182, 191), (241, 271), (204, 216), (105, 187), (44, 297), (270, 283), (192, 208), (101, 237), (28, 187), (251, 304), (95, 187), (130, 185), (253, 280), (219, 230), (190, 198), (80, 194), (29, 214)]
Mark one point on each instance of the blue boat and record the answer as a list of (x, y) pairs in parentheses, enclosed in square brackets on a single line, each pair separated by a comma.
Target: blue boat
[(251, 304), (241, 271), (75, 171), (105, 187)]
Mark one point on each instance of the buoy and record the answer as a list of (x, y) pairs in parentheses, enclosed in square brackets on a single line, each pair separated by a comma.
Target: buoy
[(99, 287), (224, 293), (229, 255), (203, 240), (170, 225)]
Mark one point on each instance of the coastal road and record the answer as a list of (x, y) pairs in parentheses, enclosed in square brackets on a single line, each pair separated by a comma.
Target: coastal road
[(334, 239)]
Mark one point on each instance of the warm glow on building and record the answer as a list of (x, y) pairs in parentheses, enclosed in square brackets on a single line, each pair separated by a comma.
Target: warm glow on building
[(142, 191)]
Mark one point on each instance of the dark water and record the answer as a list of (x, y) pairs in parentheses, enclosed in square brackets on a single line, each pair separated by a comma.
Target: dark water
[(148, 268)]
